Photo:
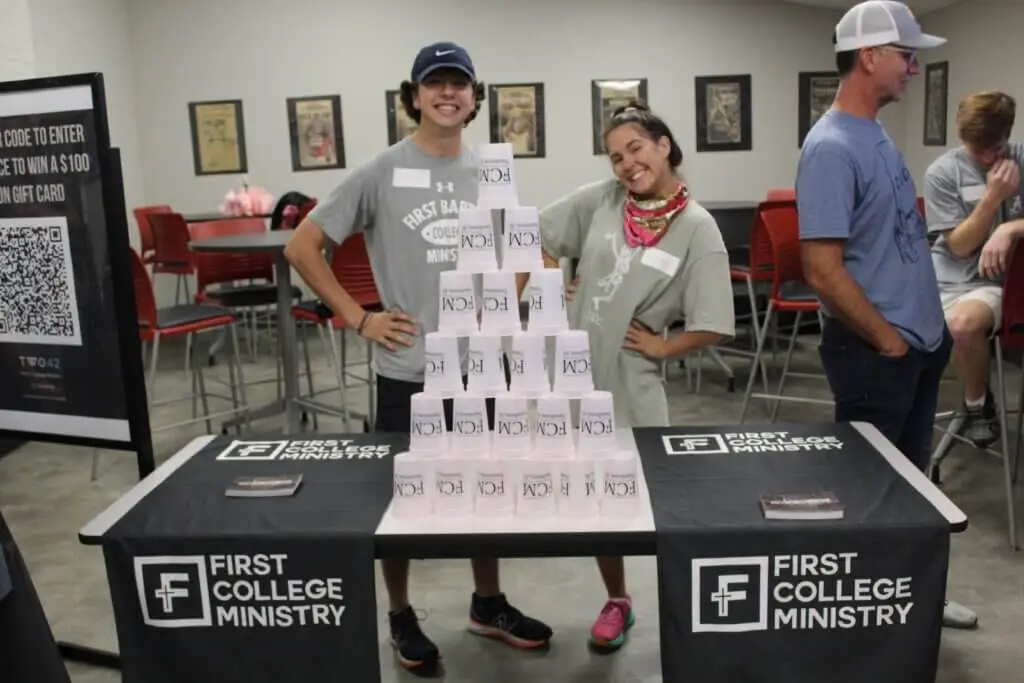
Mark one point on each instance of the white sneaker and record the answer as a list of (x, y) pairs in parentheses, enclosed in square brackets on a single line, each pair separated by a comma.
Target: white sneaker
[(955, 615)]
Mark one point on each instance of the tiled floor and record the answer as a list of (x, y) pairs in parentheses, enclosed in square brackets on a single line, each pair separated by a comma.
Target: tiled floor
[(46, 495)]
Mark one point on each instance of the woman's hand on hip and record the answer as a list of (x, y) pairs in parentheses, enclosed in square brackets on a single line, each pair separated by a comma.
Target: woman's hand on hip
[(640, 338)]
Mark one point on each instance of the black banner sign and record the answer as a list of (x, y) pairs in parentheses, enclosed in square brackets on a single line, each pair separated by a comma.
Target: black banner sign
[(212, 588), (221, 610), (845, 601), (65, 282)]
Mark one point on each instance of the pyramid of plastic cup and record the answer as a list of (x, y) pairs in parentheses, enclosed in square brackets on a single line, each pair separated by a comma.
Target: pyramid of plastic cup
[(535, 459)]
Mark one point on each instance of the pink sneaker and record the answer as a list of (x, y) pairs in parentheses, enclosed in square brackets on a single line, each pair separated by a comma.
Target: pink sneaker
[(616, 618)]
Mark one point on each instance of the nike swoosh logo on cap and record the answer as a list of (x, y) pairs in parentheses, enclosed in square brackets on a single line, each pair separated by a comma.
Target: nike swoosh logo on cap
[(440, 53)]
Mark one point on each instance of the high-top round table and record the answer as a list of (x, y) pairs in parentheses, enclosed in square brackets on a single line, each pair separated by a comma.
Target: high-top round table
[(273, 242)]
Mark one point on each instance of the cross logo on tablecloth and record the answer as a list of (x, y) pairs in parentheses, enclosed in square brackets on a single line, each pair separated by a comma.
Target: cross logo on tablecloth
[(730, 594)]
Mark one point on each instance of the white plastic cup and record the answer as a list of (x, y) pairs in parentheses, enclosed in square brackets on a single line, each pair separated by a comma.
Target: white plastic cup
[(457, 303), (499, 306), (538, 484), (579, 493), (597, 425), (496, 179), (554, 434), (443, 368), (471, 435), (454, 481), (528, 364), (486, 365), (620, 487), (477, 251), (413, 490), (545, 294), (428, 433), (522, 244), (513, 431), (573, 375), (495, 493)]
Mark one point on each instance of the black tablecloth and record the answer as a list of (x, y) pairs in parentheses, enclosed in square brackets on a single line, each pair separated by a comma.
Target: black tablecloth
[(208, 588), (869, 587), (28, 652)]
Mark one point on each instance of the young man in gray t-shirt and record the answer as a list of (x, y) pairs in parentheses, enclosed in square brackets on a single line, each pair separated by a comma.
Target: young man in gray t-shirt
[(406, 202), (974, 202)]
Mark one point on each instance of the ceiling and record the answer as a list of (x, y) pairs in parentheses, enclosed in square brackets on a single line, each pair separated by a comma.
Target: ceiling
[(919, 7)]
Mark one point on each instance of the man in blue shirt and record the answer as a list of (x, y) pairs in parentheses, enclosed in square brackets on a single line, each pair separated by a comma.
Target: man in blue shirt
[(865, 250)]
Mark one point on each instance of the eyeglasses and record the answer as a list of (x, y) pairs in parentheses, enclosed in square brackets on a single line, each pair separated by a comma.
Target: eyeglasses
[(909, 55)]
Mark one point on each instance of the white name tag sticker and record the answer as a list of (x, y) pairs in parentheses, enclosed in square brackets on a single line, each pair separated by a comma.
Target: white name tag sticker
[(972, 193), (661, 260), (411, 177)]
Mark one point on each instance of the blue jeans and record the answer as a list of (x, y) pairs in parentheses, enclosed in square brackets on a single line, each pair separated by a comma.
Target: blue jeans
[(899, 396)]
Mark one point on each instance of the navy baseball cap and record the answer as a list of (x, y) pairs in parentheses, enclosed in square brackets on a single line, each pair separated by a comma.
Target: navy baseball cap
[(442, 56)]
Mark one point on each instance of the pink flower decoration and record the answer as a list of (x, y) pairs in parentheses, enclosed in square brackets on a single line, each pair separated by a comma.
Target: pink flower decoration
[(247, 201)]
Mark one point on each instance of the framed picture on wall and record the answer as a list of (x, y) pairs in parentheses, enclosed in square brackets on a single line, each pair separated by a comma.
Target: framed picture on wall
[(817, 91), (723, 114), (936, 103), (316, 133), (517, 117), (218, 137), (606, 96), (400, 124)]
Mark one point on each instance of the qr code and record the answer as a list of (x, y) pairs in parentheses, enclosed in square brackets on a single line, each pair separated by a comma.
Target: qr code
[(37, 283)]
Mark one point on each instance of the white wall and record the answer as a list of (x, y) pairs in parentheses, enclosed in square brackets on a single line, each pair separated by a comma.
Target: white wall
[(75, 36), (206, 49), (984, 52), (16, 56)]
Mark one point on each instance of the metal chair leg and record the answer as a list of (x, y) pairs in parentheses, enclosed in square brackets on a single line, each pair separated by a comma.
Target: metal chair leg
[(95, 469), (752, 377), (1011, 503), (786, 364), (154, 357), (756, 324), (241, 378), (309, 368), (200, 382)]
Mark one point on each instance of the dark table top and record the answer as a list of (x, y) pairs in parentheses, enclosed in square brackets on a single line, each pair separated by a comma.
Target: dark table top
[(714, 205), (216, 216), (275, 240)]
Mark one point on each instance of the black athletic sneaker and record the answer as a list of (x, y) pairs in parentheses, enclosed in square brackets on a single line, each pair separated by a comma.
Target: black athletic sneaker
[(982, 426), (493, 617), (415, 651)]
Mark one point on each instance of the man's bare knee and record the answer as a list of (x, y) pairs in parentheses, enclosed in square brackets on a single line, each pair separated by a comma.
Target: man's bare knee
[(970, 324)]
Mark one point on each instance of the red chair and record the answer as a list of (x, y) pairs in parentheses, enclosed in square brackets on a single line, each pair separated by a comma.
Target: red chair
[(171, 254), (350, 264), (790, 292), (156, 324), (756, 275), (1011, 337), (147, 245), (227, 269), (781, 194)]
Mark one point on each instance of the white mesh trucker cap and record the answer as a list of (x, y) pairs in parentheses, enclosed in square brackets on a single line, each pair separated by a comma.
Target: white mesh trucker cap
[(882, 22)]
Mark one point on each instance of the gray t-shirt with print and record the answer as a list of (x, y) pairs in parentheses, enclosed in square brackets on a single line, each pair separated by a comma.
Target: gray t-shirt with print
[(406, 202), (953, 185)]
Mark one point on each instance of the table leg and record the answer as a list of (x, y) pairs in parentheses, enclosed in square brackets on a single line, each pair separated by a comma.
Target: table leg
[(286, 336)]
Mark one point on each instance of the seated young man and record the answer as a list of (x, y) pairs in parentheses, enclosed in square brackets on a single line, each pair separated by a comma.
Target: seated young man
[(974, 201)]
